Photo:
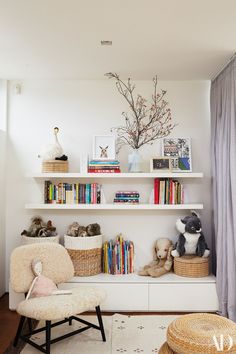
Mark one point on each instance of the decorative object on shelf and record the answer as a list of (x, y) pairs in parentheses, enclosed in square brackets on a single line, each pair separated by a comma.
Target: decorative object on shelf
[(77, 230), (179, 150), (127, 197), (191, 266), (118, 256), (84, 162), (104, 166), (160, 164), (162, 259), (168, 191), (135, 161), (104, 147), (191, 240), (72, 193), (145, 123), (55, 166), (85, 253), (39, 231)]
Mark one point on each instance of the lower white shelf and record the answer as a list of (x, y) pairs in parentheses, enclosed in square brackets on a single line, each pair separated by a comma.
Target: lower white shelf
[(169, 293), (114, 206)]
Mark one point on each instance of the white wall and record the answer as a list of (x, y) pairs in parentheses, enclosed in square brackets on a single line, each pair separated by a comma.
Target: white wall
[(84, 108), (3, 126)]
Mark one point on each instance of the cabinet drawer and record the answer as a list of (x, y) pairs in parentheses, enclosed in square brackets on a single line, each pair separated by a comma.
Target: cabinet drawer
[(183, 297), (120, 297)]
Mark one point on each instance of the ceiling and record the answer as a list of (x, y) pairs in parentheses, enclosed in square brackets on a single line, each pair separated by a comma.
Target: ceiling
[(60, 39)]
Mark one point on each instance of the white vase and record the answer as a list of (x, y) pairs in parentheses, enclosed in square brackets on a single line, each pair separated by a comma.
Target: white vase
[(135, 161)]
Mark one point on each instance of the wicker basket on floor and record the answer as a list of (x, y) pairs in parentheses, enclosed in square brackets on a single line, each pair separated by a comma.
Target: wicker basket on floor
[(194, 334), (165, 349), (55, 166), (191, 266), (85, 253)]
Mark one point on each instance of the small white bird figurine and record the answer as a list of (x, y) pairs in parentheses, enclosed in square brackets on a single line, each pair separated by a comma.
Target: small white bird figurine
[(50, 152)]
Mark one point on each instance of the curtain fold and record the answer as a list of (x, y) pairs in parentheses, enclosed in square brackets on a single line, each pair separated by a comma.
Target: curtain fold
[(223, 144)]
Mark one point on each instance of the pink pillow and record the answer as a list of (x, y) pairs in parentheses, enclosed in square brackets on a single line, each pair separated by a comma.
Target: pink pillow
[(42, 286)]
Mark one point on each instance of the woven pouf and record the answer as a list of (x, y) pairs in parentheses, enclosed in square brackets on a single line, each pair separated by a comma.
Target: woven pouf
[(165, 349), (194, 334), (191, 266)]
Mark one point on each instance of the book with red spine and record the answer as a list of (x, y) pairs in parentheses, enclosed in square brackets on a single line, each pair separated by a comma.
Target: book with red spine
[(156, 190)]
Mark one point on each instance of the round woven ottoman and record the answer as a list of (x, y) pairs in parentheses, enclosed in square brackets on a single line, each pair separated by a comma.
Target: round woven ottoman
[(194, 334), (165, 349)]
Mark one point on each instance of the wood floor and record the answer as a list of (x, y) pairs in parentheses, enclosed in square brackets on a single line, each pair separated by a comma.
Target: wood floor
[(8, 323)]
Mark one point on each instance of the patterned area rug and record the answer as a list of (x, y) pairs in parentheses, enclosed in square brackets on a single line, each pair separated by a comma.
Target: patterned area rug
[(125, 334)]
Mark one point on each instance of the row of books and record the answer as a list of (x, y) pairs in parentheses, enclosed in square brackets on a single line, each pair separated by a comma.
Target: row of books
[(118, 256), (104, 166), (168, 191), (130, 197), (72, 193)]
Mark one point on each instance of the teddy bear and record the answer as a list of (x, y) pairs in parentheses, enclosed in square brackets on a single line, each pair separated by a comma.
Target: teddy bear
[(191, 240), (162, 259)]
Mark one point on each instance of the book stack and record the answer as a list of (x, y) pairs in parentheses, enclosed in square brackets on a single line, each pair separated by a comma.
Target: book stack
[(128, 197), (118, 256), (72, 193), (104, 166), (168, 191)]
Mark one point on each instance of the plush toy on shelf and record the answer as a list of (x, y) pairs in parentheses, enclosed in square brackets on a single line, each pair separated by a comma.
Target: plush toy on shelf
[(39, 228), (77, 230), (191, 240), (53, 151), (162, 259)]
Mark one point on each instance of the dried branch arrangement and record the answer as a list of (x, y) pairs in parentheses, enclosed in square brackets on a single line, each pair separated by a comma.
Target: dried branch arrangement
[(144, 124)]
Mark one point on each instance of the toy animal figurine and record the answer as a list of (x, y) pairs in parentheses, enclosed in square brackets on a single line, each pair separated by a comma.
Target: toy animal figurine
[(73, 229), (162, 259), (82, 231), (93, 229), (191, 239), (39, 229), (103, 152), (53, 151)]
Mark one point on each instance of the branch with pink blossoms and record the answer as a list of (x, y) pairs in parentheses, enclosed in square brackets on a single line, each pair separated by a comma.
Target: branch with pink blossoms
[(143, 124)]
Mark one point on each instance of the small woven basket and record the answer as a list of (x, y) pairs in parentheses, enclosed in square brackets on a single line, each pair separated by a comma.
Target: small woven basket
[(191, 266), (55, 166), (194, 334), (26, 240), (85, 253)]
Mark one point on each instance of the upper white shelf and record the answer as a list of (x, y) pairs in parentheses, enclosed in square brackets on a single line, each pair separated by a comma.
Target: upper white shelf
[(119, 175)]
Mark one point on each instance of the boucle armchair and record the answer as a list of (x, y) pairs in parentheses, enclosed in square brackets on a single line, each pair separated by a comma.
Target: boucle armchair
[(57, 266)]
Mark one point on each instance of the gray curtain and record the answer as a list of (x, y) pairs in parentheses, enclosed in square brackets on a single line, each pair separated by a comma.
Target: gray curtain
[(223, 120)]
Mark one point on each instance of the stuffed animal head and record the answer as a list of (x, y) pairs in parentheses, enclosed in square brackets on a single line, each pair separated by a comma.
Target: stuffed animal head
[(93, 229), (162, 248), (191, 224), (73, 229), (82, 231)]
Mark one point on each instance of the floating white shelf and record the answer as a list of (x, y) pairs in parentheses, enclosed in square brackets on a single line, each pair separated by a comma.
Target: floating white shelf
[(135, 278), (114, 206), (118, 175)]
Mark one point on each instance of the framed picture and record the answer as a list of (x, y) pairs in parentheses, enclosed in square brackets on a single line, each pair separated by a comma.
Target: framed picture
[(179, 151), (104, 147), (160, 164)]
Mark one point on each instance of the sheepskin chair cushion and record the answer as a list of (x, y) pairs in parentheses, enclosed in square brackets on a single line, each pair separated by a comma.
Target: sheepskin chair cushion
[(57, 307), (56, 262)]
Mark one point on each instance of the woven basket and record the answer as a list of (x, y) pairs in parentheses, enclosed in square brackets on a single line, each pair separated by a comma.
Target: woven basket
[(85, 253), (55, 166), (165, 349), (191, 266), (194, 334), (29, 240)]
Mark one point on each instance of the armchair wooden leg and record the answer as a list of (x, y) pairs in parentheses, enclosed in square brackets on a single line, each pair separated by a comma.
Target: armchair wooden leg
[(70, 321), (30, 324), (48, 336), (19, 330), (99, 316)]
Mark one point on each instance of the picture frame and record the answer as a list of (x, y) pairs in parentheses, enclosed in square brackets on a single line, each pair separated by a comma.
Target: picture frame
[(160, 164), (178, 149), (104, 147)]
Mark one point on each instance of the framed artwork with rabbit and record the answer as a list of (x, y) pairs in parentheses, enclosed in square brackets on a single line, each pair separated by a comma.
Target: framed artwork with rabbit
[(104, 147)]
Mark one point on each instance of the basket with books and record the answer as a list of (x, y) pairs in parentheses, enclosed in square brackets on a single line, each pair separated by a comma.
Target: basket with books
[(84, 245)]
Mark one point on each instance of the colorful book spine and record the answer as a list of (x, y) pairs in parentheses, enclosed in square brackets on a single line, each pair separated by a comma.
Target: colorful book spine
[(118, 256), (168, 191)]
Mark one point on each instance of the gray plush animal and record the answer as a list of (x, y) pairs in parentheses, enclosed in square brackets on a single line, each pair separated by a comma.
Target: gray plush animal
[(93, 229), (191, 239)]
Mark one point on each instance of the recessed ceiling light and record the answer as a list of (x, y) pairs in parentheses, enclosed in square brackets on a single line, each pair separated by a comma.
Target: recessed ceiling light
[(106, 42)]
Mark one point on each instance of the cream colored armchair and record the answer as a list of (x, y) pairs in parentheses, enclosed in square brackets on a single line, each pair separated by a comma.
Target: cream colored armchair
[(57, 266)]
